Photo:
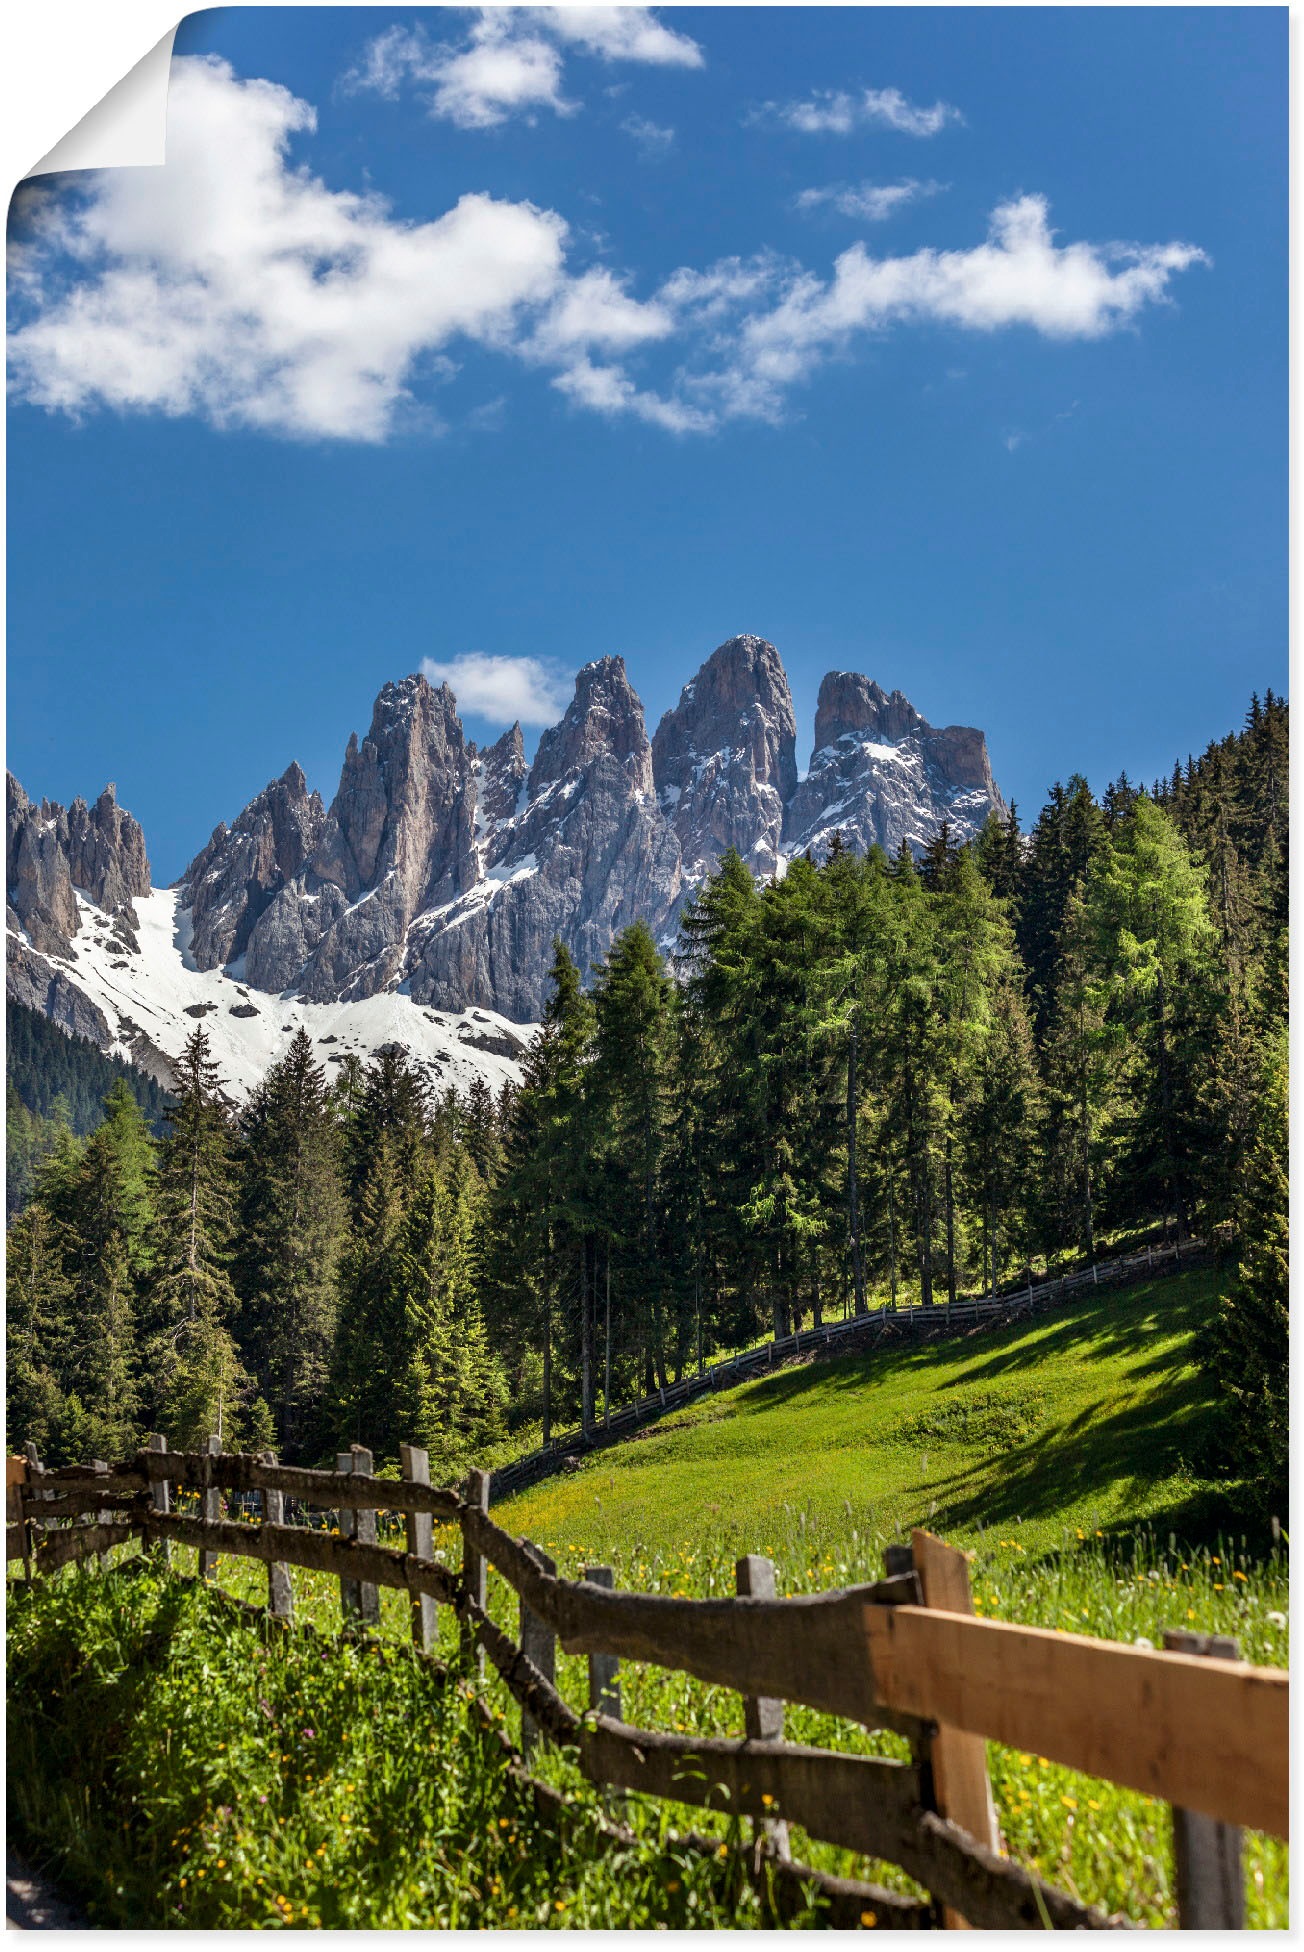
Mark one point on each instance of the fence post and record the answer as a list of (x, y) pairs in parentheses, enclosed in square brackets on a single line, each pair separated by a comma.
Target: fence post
[(359, 1599), (1207, 1854), (160, 1498), (538, 1643), (104, 1516), (36, 1527), (280, 1588), (474, 1580), (762, 1714), (210, 1504), (420, 1529), (961, 1787), (17, 1476), (604, 1669)]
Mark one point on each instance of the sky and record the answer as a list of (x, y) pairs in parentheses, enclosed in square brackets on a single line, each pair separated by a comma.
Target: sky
[(943, 344)]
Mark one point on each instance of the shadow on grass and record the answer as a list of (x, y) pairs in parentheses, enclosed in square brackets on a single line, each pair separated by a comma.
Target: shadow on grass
[(1105, 1325)]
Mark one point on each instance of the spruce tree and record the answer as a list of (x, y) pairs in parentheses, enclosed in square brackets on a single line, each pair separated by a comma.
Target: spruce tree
[(198, 1383), (289, 1232)]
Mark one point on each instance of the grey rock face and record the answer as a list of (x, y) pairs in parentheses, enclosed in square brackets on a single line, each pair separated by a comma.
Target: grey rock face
[(229, 884), (50, 853), (30, 979), (450, 871), (725, 759), (399, 839), (589, 854), (881, 774)]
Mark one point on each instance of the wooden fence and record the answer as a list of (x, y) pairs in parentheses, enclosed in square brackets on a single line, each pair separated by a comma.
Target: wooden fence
[(878, 1325), (1190, 1725)]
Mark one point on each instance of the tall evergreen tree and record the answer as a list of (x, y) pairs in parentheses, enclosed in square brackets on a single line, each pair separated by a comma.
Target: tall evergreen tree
[(199, 1385), (289, 1233)]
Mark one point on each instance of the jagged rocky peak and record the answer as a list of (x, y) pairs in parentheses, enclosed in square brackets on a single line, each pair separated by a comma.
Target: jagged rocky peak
[(881, 774), (98, 850), (604, 720), (725, 758), (404, 799), (849, 702), (234, 878), (399, 839), (503, 772)]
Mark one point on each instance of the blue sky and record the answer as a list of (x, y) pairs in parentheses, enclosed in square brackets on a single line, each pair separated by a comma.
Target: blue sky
[(943, 344)]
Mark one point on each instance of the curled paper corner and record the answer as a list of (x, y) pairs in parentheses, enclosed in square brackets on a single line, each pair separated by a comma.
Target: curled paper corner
[(127, 128)]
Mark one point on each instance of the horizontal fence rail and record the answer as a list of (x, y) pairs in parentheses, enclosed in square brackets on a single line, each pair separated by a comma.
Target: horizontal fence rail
[(874, 1326), (1197, 1729)]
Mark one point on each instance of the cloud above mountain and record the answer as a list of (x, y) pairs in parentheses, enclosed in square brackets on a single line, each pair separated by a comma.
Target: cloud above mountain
[(237, 286), (502, 688)]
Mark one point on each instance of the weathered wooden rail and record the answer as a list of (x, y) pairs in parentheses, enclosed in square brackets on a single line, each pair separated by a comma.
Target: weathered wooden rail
[(878, 1325), (1190, 1725)]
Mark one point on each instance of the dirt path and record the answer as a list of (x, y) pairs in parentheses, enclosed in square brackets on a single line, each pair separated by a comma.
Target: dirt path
[(32, 1905)]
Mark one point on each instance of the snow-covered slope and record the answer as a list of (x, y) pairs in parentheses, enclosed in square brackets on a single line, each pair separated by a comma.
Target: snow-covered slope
[(152, 998)]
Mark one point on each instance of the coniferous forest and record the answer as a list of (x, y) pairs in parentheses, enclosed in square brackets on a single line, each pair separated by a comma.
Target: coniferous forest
[(874, 1079)]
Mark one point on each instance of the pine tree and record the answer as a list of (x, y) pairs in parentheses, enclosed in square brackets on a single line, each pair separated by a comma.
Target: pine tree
[(1148, 911), (38, 1298), (110, 1216), (199, 1384), (1248, 1351), (627, 1089), (290, 1228)]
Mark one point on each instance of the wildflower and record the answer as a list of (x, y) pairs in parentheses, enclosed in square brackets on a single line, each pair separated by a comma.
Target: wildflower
[(1069, 1802), (1092, 1804), (1142, 1641), (1239, 1575), (768, 1801), (1220, 1589), (1215, 1562), (868, 1918), (1277, 1619)]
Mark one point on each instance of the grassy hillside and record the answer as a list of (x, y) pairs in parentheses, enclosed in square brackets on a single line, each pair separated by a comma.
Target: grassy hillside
[(1093, 1418)]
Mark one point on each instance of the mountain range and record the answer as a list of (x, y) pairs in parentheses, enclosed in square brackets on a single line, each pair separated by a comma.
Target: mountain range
[(423, 902)]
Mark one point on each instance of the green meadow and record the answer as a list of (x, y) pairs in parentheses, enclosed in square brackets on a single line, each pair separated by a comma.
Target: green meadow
[(180, 1769), (1093, 1418)]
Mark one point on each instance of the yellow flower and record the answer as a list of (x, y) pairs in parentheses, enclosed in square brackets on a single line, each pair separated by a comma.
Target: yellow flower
[(1238, 1575), (869, 1918), (768, 1802), (1219, 1589), (1215, 1562), (1069, 1802)]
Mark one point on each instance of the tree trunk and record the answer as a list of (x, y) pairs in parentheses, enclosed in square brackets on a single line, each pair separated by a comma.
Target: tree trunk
[(853, 1190), (606, 1363), (586, 1342), (950, 1227)]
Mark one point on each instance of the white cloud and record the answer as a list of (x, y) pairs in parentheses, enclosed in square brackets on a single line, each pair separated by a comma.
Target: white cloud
[(834, 111), (609, 390), (874, 202), (510, 61), (234, 285), (596, 310), (230, 285), (1018, 276), (651, 138), (619, 34), (502, 688)]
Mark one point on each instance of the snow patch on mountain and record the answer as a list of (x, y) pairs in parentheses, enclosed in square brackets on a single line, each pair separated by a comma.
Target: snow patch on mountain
[(153, 997)]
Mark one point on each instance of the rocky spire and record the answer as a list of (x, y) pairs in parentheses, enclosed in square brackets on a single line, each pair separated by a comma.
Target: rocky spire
[(98, 850), (399, 838), (725, 760), (232, 880)]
